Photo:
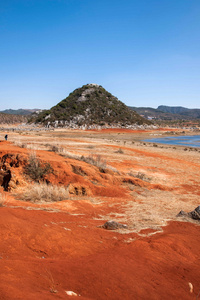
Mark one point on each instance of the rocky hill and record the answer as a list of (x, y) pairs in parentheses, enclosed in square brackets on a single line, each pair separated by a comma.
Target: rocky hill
[(90, 105)]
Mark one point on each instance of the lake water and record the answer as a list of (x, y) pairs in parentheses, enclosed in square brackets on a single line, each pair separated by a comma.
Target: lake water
[(190, 140)]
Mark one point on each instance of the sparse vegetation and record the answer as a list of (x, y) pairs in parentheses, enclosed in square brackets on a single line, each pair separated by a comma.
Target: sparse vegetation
[(89, 105), (91, 147), (78, 170), (140, 175), (20, 144), (45, 192), (95, 160), (119, 151), (55, 149), (35, 169)]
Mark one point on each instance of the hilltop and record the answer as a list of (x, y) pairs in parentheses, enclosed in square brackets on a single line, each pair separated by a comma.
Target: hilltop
[(90, 105)]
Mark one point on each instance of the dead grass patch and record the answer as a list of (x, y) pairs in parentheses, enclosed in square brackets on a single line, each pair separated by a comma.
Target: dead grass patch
[(2, 200), (45, 193), (154, 209), (95, 160), (120, 151), (140, 175)]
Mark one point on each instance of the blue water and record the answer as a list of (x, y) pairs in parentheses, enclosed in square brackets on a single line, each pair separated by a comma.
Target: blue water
[(190, 141)]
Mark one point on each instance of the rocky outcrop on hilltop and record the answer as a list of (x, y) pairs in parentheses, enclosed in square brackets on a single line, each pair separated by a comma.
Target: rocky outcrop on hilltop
[(90, 106)]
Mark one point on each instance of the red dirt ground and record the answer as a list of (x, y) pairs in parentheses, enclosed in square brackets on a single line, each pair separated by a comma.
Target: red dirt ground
[(39, 256), (45, 253)]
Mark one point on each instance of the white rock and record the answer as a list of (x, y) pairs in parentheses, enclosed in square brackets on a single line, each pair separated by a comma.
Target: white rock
[(70, 293)]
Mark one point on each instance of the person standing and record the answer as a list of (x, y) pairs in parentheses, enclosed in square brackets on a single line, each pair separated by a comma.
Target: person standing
[(6, 137)]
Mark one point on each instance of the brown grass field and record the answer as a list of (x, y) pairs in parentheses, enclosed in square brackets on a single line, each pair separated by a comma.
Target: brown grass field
[(51, 236)]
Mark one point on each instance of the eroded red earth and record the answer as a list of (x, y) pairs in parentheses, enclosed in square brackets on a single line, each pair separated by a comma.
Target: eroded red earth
[(47, 249)]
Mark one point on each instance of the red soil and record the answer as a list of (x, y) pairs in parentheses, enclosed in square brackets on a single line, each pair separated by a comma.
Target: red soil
[(44, 254), (124, 130)]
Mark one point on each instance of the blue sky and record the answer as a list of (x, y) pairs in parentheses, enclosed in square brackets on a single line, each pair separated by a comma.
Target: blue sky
[(145, 52)]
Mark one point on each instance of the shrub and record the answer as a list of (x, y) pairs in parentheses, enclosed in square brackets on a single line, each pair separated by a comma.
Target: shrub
[(78, 170), (45, 192), (119, 151), (95, 161), (140, 175), (35, 169), (55, 148)]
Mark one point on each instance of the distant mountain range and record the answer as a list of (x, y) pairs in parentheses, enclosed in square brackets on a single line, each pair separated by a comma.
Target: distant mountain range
[(167, 112), (71, 106), (21, 112), (12, 116), (12, 119)]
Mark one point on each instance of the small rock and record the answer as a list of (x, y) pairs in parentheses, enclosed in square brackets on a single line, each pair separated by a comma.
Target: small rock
[(191, 287), (53, 291), (182, 214), (195, 214), (197, 209), (112, 225), (70, 293)]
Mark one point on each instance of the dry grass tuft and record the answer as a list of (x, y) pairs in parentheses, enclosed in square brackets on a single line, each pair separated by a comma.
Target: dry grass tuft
[(19, 143), (2, 200), (95, 160), (62, 151), (140, 175), (120, 151), (32, 146), (45, 192)]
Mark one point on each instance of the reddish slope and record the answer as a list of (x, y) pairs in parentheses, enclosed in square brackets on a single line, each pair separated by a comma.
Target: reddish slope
[(41, 252)]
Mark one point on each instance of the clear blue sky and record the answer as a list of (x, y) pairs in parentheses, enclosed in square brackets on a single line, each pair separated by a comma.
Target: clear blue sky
[(145, 52)]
